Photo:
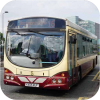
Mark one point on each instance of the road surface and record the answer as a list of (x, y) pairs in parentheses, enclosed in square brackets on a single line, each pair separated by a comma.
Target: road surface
[(87, 88)]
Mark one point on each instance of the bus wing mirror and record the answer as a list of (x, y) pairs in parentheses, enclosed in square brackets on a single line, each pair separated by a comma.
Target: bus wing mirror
[(73, 39)]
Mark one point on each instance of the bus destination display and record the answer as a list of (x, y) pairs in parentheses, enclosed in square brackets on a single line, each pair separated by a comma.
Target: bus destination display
[(36, 23)]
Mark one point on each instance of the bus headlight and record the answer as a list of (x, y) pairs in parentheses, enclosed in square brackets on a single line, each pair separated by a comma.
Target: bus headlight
[(53, 80), (7, 77), (12, 78), (59, 81)]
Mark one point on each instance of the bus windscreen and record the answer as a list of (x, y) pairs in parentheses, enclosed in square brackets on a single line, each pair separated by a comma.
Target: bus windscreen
[(36, 23)]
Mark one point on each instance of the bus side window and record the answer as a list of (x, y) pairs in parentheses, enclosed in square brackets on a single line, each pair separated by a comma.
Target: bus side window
[(79, 46)]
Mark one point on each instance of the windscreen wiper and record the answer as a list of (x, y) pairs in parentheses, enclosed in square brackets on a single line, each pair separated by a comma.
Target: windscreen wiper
[(14, 31), (26, 34), (35, 32), (42, 33)]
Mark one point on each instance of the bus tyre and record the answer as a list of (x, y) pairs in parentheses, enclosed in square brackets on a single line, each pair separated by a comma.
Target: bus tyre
[(0, 59), (94, 64), (79, 76)]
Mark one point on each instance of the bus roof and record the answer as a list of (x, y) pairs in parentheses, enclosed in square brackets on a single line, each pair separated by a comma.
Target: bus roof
[(37, 17), (79, 28)]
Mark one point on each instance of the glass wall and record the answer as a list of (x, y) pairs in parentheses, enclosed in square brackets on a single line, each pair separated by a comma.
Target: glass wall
[(86, 24), (98, 41), (73, 19)]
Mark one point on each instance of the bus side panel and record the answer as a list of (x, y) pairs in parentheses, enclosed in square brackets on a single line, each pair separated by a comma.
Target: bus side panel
[(86, 64), (8, 65), (86, 68)]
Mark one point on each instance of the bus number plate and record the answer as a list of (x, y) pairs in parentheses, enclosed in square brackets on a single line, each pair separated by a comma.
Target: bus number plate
[(31, 85)]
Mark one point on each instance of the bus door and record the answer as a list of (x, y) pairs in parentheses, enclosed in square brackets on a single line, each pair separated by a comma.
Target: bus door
[(72, 50)]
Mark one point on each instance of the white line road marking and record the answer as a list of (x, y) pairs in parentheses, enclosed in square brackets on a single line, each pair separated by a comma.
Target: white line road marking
[(83, 98), (96, 76)]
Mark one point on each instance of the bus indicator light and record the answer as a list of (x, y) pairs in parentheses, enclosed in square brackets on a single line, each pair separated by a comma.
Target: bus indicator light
[(62, 75), (6, 71)]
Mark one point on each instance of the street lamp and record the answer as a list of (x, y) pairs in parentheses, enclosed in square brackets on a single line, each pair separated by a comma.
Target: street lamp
[(3, 21)]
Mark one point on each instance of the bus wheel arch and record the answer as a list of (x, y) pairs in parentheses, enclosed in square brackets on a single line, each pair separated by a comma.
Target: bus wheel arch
[(79, 73), (96, 60), (94, 63)]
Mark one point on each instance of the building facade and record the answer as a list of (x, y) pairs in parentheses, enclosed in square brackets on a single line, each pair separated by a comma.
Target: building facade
[(88, 25), (97, 30)]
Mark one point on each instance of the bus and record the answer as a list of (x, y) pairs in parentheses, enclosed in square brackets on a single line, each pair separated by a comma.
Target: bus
[(47, 52)]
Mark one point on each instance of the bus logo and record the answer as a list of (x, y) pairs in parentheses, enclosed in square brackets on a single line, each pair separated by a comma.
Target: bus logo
[(20, 72), (32, 73)]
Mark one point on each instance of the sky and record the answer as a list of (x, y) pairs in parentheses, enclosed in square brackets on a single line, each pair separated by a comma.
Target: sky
[(52, 8)]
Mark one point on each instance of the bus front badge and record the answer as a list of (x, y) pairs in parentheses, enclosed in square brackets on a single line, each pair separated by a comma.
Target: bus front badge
[(20, 72), (32, 73)]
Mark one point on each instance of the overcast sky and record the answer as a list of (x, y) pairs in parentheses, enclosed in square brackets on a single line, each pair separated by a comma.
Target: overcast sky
[(52, 8)]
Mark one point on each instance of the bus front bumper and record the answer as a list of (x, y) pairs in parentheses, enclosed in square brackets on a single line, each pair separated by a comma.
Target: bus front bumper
[(33, 81)]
